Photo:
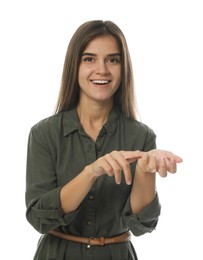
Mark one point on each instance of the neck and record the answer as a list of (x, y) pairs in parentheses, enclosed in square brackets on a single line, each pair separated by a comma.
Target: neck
[(93, 117), (94, 114)]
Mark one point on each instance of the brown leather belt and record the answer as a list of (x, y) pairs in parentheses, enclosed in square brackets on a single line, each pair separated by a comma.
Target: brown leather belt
[(101, 241)]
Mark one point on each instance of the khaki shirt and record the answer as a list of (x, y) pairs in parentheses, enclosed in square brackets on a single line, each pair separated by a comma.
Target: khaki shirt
[(58, 150)]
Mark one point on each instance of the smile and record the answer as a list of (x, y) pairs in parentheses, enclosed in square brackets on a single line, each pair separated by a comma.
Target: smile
[(101, 82)]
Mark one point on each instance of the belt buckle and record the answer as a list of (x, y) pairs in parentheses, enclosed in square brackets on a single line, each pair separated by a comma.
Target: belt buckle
[(101, 241), (89, 241)]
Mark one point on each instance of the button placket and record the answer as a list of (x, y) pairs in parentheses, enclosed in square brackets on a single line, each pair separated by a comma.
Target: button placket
[(90, 150), (89, 227)]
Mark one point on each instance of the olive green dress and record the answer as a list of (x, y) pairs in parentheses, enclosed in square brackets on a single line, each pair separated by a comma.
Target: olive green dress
[(58, 150)]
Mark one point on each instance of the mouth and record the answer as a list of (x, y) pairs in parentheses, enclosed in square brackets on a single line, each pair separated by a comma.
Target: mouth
[(101, 82)]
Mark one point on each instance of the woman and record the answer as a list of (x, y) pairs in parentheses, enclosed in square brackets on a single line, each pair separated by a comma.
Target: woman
[(91, 167)]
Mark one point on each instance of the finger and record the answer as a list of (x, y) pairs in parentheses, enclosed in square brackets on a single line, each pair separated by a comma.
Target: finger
[(143, 162), (132, 156), (123, 166), (177, 159), (104, 167), (172, 156), (152, 163), (167, 154), (116, 169), (162, 169), (171, 165)]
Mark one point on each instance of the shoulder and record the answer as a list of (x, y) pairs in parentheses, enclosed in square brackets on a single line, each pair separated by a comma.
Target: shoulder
[(57, 125), (46, 130), (137, 134), (133, 125), (48, 124)]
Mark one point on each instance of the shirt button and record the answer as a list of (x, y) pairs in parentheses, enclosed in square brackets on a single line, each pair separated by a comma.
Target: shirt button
[(88, 246), (89, 222), (91, 197)]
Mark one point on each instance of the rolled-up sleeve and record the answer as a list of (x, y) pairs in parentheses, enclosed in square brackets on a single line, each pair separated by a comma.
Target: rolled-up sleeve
[(145, 221), (44, 210)]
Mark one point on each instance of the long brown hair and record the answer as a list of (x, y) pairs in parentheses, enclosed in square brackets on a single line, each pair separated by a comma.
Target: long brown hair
[(69, 91)]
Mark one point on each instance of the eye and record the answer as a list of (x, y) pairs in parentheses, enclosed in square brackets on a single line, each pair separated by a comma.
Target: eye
[(114, 60), (88, 59)]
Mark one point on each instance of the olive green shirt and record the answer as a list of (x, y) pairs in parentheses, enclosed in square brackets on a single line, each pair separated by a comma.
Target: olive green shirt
[(58, 150)]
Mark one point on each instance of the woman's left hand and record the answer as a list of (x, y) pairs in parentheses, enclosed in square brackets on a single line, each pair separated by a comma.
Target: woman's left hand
[(160, 161)]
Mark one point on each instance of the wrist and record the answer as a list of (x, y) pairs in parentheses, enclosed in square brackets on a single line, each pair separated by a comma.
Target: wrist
[(90, 174), (140, 170)]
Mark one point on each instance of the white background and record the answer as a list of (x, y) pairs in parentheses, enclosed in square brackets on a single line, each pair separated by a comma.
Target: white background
[(165, 39)]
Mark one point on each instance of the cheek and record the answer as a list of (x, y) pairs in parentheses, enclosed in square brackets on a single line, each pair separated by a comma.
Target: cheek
[(80, 72), (83, 73), (118, 76), (117, 72)]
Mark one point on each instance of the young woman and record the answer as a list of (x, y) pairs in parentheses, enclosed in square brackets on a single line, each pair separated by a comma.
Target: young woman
[(91, 167)]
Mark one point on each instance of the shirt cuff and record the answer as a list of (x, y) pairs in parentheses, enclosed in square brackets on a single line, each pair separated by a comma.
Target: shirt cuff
[(46, 213), (145, 221)]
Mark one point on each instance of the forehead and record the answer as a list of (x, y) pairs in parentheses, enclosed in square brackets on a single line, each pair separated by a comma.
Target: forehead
[(104, 43)]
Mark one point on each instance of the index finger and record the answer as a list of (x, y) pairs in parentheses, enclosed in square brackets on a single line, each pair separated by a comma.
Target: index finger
[(132, 156)]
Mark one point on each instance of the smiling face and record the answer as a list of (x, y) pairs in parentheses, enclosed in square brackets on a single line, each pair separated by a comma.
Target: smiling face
[(99, 74)]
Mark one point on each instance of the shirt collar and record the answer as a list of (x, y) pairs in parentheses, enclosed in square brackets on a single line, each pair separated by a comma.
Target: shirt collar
[(71, 121), (112, 122)]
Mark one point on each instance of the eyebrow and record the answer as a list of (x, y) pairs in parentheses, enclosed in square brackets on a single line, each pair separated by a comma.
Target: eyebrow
[(92, 54)]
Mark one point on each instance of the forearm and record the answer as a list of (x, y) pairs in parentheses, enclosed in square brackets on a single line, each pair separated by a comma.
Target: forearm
[(143, 190), (73, 193)]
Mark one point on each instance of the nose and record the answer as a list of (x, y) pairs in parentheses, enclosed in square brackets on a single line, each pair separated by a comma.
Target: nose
[(102, 67)]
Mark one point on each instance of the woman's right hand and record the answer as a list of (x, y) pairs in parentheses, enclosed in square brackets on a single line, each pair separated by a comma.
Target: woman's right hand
[(114, 163)]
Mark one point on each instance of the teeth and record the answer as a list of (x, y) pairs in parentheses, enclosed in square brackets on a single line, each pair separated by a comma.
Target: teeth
[(100, 81)]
